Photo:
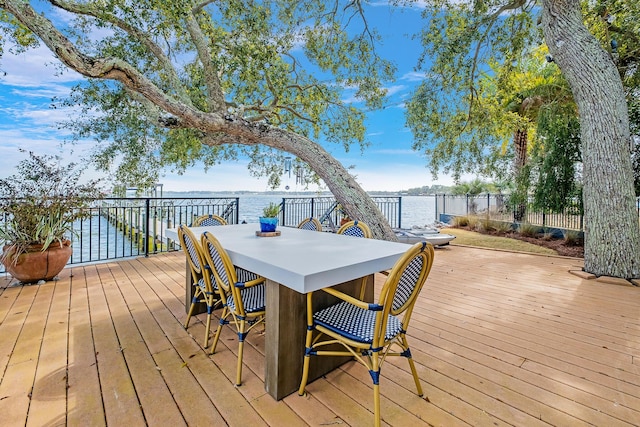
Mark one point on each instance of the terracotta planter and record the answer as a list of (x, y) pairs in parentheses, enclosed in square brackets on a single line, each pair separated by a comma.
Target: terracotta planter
[(36, 265)]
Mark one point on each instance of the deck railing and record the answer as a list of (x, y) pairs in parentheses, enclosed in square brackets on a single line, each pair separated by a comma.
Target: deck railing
[(125, 227), (497, 207), (326, 210)]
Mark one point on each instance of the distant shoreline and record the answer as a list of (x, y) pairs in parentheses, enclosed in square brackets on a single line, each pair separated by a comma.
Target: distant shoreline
[(289, 193)]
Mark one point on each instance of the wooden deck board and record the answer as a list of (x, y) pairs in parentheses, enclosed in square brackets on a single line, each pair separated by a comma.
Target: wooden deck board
[(498, 338), (49, 397), (83, 383)]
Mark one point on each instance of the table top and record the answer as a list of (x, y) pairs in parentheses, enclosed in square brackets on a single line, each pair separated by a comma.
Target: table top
[(303, 260)]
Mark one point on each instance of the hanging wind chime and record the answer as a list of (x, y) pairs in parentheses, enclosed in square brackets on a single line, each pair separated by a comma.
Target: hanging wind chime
[(287, 170)]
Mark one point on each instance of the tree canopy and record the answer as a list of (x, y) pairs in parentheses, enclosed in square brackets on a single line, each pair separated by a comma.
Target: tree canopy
[(172, 82), (460, 118)]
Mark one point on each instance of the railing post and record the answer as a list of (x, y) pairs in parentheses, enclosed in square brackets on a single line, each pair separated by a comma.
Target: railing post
[(155, 225), (488, 204), (399, 211), (282, 209), (147, 230)]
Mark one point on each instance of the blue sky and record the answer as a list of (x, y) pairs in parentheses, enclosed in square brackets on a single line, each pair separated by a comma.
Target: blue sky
[(388, 164)]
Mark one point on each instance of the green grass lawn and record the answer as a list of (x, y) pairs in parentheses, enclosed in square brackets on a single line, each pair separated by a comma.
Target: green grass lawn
[(470, 238)]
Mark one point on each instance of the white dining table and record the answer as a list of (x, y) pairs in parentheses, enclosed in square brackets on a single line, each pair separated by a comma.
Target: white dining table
[(295, 263)]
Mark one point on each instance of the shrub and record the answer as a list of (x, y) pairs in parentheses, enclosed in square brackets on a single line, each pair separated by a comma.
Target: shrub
[(572, 237), (41, 202), (502, 227), (528, 230), (459, 221), (271, 211), (486, 224)]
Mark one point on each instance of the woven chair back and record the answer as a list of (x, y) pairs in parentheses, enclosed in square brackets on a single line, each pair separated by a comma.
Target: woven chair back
[(219, 262), (310, 224), (405, 281), (191, 247), (209, 220), (356, 229)]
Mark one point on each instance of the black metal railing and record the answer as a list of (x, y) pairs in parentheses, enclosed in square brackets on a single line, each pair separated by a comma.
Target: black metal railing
[(124, 227), (497, 207), (326, 210)]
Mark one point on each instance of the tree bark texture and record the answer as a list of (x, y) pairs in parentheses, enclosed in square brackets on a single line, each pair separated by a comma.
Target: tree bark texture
[(341, 183), (612, 234)]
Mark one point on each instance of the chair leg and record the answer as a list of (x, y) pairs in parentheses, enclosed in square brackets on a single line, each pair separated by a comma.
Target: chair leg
[(207, 329), (376, 405), (415, 376), (241, 336), (186, 323), (223, 317), (307, 356), (305, 375), (375, 376), (414, 372)]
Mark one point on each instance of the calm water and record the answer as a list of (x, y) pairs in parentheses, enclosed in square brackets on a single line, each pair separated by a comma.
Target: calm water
[(102, 241), (416, 210)]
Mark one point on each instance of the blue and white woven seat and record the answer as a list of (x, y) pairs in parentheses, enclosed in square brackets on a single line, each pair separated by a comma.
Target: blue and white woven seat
[(205, 287), (242, 293), (369, 332), (354, 322)]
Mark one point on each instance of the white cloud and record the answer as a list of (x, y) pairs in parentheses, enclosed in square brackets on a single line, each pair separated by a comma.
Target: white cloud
[(46, 92), (414, 76), (392, 90), (39, 140), (37, 67)]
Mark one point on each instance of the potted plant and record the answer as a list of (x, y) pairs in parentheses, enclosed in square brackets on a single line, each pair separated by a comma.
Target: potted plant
[(269, 218), (39, 205), (344, 216)]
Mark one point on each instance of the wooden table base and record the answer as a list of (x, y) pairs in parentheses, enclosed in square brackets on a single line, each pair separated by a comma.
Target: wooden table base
[(285, 336)]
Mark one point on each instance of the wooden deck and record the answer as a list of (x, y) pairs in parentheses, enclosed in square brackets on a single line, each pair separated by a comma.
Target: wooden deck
[(499, 339)]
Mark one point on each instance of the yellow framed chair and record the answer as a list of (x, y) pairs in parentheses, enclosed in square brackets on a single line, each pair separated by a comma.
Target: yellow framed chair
[(206, 290), (208, 220), (356, 229), (242, 292), (310, 224), (371, 332)]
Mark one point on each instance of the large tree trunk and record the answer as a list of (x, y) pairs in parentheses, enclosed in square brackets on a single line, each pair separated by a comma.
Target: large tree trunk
[(612, 234), (341, 183)]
